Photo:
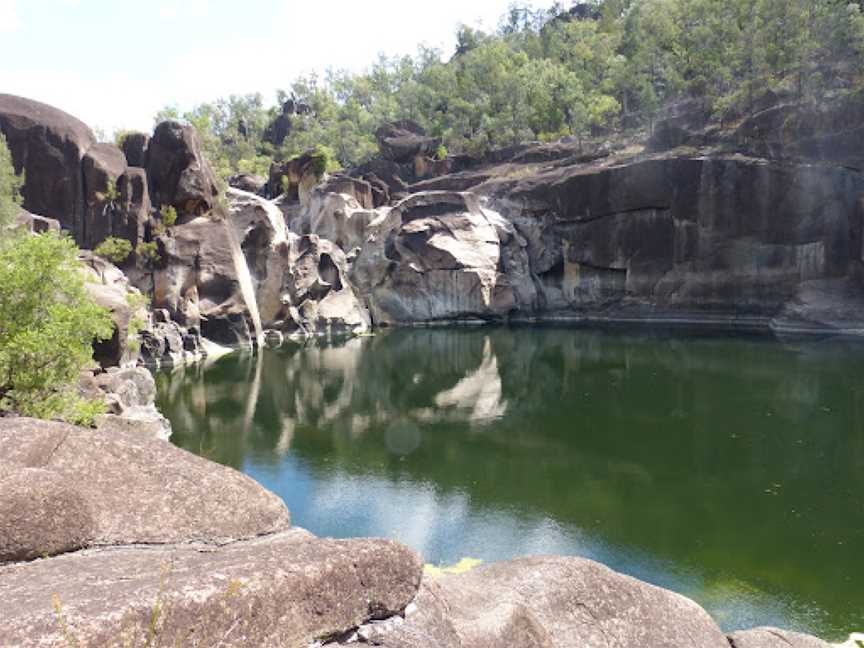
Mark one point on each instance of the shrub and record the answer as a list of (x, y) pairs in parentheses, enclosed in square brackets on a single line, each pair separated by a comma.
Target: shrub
[(441, 153), (10, 184), (47, 326), (169, 215), (148, 251), (116, 250)]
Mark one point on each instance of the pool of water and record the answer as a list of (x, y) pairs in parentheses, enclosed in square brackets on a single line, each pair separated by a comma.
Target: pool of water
[(728, 469)]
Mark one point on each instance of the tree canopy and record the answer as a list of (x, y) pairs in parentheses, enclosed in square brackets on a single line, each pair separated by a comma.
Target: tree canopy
[(544, 74)]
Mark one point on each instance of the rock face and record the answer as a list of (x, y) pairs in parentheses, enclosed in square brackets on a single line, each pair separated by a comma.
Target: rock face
[(49, 146), (288, 589), (139, 490), (131, 396), (435, 256), (178, 173), (134, 147)]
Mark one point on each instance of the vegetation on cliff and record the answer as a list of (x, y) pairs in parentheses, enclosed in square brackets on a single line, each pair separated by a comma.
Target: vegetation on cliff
[(552, 73), (47, 320)]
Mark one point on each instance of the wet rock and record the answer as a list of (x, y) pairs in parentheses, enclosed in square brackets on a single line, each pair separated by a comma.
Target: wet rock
[(141, 490), (178, 172), (41, 514), (288, 589), (774, 638)]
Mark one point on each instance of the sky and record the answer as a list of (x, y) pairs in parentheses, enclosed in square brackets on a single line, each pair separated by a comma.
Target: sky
[(115, 63)]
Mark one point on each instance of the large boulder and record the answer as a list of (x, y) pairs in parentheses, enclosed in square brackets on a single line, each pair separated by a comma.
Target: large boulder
[(140, 490), (290, 589), (36, 224), (131, 220), (130, 396), (403, 141), (179, 174), (48, 145), (547, 602), (296, 177), (438, 256), (134, 147)]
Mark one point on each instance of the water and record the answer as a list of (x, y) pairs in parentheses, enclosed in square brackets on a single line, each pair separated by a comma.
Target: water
[(244, 278), (728, 469)]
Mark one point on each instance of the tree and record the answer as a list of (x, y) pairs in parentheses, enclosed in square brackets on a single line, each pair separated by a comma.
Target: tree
[(47, 327), (10, 185)]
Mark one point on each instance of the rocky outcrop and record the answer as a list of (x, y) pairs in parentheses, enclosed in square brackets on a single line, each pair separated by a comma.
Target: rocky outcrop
[(178, 173), (134, 147), (36, 224), (296, 177), (248, 182), (402, 142), (130, 397), (49, 146), (436, 256), (139, 490)]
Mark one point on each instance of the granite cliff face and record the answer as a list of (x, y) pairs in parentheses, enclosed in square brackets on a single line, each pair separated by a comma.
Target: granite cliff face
[(758, 226)]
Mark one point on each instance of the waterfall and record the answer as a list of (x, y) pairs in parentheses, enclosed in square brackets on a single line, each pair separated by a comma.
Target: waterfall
[(247, 287), (277, 222)]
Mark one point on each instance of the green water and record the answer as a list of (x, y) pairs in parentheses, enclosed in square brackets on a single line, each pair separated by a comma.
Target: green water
[(728, 469)]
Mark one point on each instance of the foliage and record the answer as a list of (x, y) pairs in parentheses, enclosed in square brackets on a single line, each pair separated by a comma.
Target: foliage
[(149, 251), (441, 152), (47, 327), (169, 215), (116, 250), (544, 74), (10, 185)]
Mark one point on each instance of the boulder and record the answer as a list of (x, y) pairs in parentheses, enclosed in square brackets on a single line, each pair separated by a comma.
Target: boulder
[(337, 217), (296, 177), (36, 224), (403, 141), (131, 398), (102, 167), (289, 589), (774, 638), (547, 602), (179, 174), (357, 188), (134, 147), (48, 145), (248, 182), (141, 490), (41, 514), (436, 256)]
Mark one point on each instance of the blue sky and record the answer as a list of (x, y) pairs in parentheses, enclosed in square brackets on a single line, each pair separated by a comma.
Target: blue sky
[(114, 63)]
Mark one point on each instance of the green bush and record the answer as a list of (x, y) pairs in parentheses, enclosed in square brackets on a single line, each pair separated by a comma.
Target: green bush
[(148, 251), (116, 250), (48, 324), (169, 215), (10, 184), (441, 153)]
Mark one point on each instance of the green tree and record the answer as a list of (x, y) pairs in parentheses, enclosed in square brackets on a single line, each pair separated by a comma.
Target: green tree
[(47, 327)]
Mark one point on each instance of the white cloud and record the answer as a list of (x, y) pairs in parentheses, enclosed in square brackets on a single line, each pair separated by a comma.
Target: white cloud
[(9, 20), (168, 12)]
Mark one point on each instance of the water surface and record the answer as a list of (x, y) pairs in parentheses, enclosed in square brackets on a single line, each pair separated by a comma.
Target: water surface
[(728, 469)]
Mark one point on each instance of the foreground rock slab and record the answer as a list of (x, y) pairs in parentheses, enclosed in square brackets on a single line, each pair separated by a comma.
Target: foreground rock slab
[(286, 590), (774, 638), (548, 603), (139, 490)]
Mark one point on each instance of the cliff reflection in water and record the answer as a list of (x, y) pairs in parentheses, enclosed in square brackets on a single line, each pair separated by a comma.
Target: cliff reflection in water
[(730, 470)]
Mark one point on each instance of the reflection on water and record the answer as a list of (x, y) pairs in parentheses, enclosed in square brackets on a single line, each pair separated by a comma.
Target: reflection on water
[(730, 470)]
